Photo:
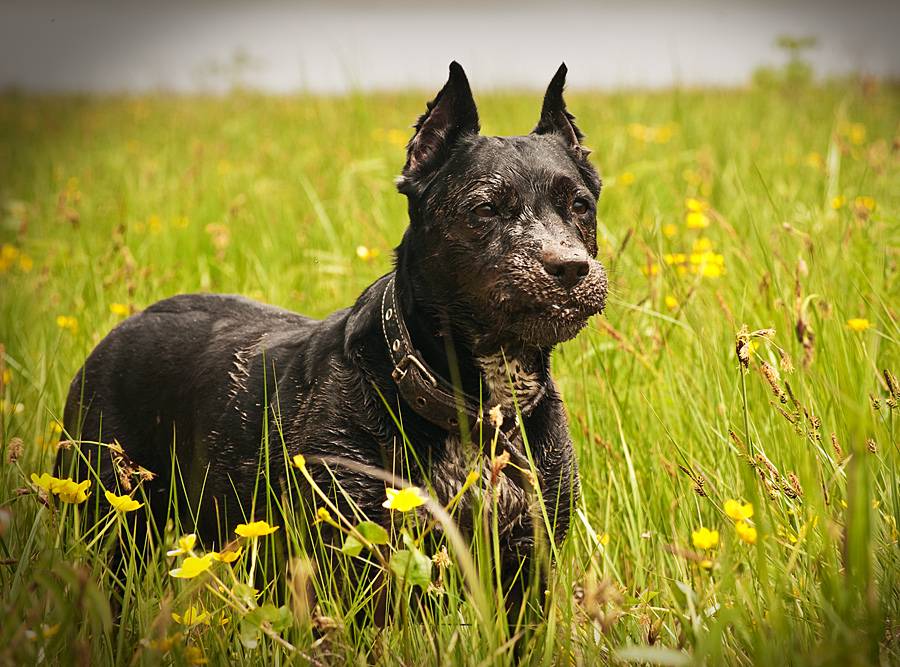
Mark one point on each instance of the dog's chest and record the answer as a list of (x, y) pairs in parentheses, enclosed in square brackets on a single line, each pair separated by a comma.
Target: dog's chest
[(515, 505), (508, 380)]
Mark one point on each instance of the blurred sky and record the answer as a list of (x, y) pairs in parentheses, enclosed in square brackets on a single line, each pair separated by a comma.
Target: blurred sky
[(138, 45)]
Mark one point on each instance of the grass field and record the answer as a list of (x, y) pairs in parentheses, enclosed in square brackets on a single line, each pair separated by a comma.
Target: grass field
[(774, 209)]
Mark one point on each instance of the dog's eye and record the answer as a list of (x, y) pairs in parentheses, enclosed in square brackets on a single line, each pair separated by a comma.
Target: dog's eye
[(485, 211), (579, 207)]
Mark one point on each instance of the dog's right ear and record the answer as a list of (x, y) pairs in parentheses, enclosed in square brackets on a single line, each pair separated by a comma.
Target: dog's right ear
[(450, 115)]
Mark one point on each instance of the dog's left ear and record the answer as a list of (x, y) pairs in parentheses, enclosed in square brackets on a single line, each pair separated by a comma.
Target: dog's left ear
[(555, 118)]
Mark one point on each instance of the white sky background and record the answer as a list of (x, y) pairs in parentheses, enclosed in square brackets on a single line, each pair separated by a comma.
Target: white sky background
[(107, 46)]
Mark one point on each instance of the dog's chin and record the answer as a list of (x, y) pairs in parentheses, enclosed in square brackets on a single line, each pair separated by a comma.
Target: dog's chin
[(549, 330), (546, 328)]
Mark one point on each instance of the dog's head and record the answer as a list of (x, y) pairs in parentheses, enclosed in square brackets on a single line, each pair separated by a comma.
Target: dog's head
[(503, 230)]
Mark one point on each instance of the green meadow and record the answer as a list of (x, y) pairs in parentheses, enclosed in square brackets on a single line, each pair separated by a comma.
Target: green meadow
[(735, 409)]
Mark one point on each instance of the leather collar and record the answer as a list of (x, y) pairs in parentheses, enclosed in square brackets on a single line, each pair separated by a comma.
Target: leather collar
[(431, 396)]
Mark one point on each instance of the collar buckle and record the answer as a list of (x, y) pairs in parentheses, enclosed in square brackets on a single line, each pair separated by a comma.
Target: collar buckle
[(402, 368)]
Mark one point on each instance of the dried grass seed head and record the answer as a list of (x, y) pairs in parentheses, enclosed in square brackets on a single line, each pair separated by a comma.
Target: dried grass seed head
[(14, 449), (838, 452)]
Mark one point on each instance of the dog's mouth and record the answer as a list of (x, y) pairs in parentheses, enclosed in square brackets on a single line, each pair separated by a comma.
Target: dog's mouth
[(541, 312)]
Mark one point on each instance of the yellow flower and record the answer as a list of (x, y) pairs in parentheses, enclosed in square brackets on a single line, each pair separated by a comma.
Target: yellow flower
[(8, 254), (865, 202), (192, 616), (745, 532), (227, 556), (637, 130), (193, 656), (73, 492), (670, 230), (299, 461), (185, 545), (627, 178), (255, 529), (120, 309), (604, 538), (676, 258), (324, 516), (651, 270), (857, 133), (46, 631), (11, 408), (815, 160), (123, 503), (366, 253), (671, 302), (404, 499), (701, 245), (859, 324), (712, 270), (67, 322), (705, 538), (695, 205), (706, 564), (663, 134), (397, 137), (46, 481), (696, 220), (838, 201), (192, 566), (737, 511)]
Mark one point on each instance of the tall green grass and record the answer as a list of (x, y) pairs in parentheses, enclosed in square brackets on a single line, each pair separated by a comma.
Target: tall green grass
[(771, 208)]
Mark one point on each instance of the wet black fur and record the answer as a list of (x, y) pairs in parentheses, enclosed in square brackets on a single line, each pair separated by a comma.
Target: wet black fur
[(207, 375)]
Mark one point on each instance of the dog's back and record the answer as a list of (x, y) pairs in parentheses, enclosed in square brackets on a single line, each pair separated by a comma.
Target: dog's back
[(193, 374)]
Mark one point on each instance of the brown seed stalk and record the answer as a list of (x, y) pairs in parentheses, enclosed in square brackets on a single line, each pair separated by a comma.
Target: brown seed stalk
[(795, 483), (772, 378), (875, 401), (838, 452)]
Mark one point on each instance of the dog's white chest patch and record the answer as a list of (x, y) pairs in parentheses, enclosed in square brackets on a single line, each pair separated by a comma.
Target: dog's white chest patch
[(507, 380)]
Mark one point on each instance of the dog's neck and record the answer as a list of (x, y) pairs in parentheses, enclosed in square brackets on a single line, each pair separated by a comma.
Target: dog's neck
[(441, 346), (507, 375)]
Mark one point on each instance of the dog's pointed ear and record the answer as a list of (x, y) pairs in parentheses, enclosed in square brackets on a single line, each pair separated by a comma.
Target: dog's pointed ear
[(450, 115), (555, 118)]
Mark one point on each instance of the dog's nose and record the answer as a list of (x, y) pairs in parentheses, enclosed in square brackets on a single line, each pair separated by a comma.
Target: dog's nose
[(566, 265)]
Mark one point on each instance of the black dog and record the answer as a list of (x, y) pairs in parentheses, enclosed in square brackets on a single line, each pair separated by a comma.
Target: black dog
[(497, 266)]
